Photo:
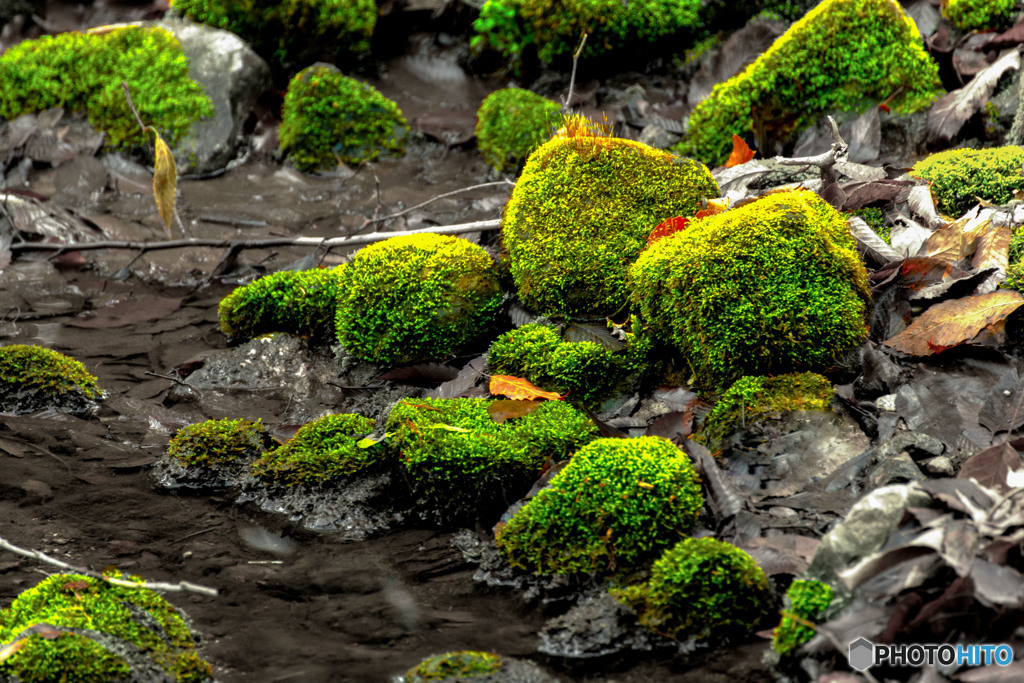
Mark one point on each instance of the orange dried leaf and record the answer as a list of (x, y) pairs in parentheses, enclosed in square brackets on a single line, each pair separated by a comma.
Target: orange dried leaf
[(510, 410), (952, 323), (517, 388), (667, 227), (714, 206), (741, 152)]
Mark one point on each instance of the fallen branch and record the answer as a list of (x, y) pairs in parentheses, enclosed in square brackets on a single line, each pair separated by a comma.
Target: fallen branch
[(445, 195)]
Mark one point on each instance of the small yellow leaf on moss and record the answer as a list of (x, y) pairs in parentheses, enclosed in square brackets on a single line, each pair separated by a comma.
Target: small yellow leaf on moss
[(517, 388)]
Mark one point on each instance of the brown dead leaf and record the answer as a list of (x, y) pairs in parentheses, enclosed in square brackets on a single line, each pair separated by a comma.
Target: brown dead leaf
[(502, 410), (993, 252), (741, 152), (992, 466), (517, 388), (951, 112), (955, 322)]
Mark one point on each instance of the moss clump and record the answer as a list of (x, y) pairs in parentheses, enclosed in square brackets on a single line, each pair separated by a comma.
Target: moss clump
[(300, 303), (326, 448), (416, 297), (464, 664), (808, 599), (842, 55), (511, 123), (586, 371), (216, 442), (466, 465), (958, 177), (83, 72), (581, 212), (702, 587), (71, 601), (616, 506), (33, 378), (978, 14), (328, 118), (767, 288)]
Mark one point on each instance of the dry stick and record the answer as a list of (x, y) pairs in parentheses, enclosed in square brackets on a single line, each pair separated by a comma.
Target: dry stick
[(826, 161), (157, 586), (572, 78), (398, 214)]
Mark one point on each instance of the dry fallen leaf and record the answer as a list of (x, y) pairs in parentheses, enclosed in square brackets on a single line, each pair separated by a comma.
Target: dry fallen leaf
[(951, 112), (741, 152), (993, 252), (667, 227), (509, 410), (165, 181), (517, 388), (952, 323)]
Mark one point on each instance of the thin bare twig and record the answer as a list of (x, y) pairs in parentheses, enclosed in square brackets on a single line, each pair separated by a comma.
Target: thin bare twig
[(398, 214), (572, 78)]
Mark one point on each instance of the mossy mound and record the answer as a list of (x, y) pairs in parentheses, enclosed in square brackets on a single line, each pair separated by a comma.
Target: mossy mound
[(466, 466), (328, 118), (454, 665), (701, 587), (324, 449), (585, 371), (768, 288), (581, 212), (616, 506), (216, 442), (959, 177), (83, 72), (807, 600), (35, 378), (511, 123), (300, 303), (978, 14), (842, 55), (106, 633), (416, 297)]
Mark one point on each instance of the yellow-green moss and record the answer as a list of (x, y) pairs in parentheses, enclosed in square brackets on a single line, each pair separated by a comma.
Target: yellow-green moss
[(511, 123), (454, 665), (807, 600), (33, 378), (83, 72), (581, 212), (842, 55), (301, 303), (216, 442), (83, 602), (875, 218), (616, 506), (978, 14), (326, 448), (958, 177), (416, 297), (767, 288)]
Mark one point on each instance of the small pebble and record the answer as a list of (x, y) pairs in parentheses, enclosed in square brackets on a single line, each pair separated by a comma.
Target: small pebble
[(187, 554), (887, 402), (939, 467)]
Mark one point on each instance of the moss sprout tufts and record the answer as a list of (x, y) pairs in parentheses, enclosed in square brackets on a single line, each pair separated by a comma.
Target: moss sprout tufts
[(324, 449), (216, 442), (511, 123), (300, 303), (33, 378), (978, 14), (959, 177)]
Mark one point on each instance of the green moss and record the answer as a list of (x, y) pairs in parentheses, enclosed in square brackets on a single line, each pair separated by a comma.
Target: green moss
[(581, 212), (301, 303), (83, 72), (33, 378), (807, 600), (767, 288), (216, 442), (616, 506), (1015, 271), (82, 602), (416, 297), (978, 14), (466, 465), (585, 371), (958, 177), (842, 55), (875, 218), (702, 587), (326, 448), (451, 665), (511, 123), (328, 118)]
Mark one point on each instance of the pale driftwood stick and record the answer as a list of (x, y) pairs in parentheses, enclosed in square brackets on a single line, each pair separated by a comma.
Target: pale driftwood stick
[(839, 153), (157, 586), (398, 214)]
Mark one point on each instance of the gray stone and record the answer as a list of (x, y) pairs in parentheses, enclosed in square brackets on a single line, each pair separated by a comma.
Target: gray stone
[(916, 444), (657, 137), (894, 469), (597, 626), (939, 467)]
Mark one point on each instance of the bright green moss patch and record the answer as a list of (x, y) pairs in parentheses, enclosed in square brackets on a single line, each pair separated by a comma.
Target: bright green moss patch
[(33, 378), (875, 218), (452, 665), (767, 288), (842, 55), (83, 72), (416, 297), (324, 449), (82, 602), (511, 123), (808, 599), (300, 303), (216, 442), (328, 118), (616, 506), (701, 587), (978, 14), (959, 177)]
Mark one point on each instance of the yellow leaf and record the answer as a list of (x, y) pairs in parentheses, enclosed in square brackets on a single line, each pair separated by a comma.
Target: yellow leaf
[(366, 443), (165, 181), (952, 323), (517, 388), (508, 410)]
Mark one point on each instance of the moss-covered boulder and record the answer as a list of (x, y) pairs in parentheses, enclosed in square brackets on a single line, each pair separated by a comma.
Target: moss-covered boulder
[(771, 287), (300, 303), (978, 14), (581, 212), (326, 448), (453, 666), (328, 118), (464, 465), (807, 600), (616, 506), (35, 378), (842, 55), (511, 123), (83, 72), (212, 454), (959, 177), (701, 587), (416, 297), (78, 628)]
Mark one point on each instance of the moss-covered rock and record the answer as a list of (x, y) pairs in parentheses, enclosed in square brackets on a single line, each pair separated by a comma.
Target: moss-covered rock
[(701, 587), (454, 666), (83, 72), (616, 506), (842, 55), (581, 212), (466, 466), (106, 633), (807, 600), (35, 378), (978, 14), (300, 303), (770, 287), (958, 177), (416, 297), (326, 448), (216, 442), (328, 118), (511, 123)]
